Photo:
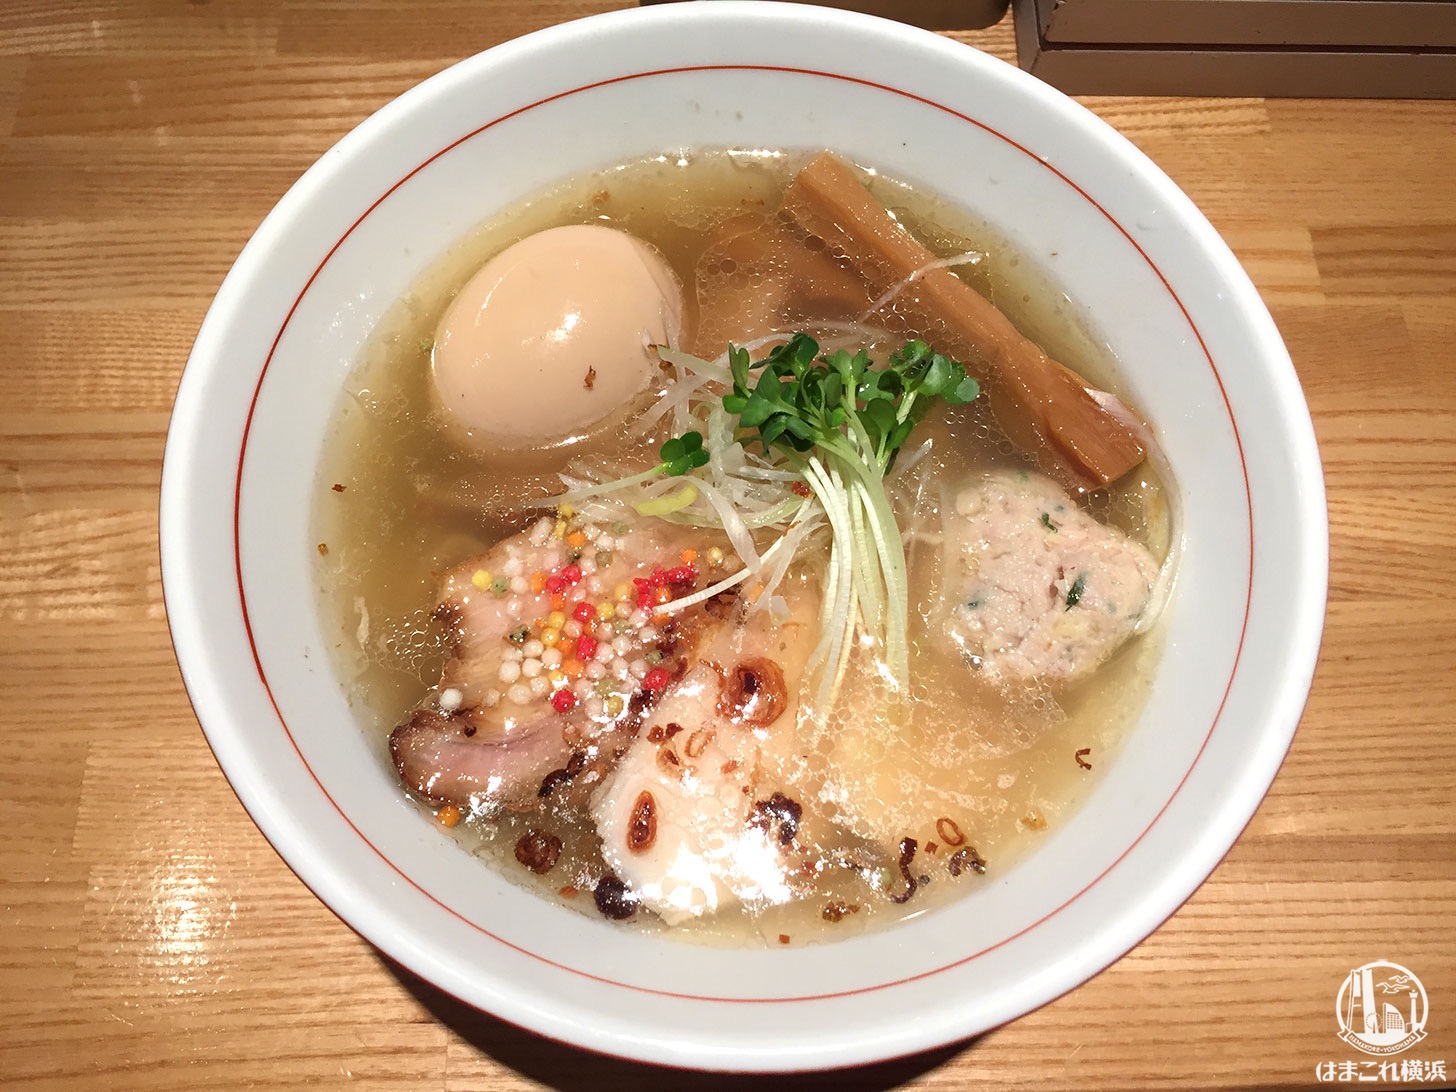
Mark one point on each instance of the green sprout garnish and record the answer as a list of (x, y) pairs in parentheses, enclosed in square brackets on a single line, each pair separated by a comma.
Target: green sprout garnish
[(800, 402), (819, 434), (683, 453), (842, 422)]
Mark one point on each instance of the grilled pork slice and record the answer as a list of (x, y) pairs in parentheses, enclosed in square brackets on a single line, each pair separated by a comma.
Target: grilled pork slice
[(699, 812), (498, 726)]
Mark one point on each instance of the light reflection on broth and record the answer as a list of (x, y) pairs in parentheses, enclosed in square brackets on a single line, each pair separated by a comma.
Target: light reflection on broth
[(994, 766)]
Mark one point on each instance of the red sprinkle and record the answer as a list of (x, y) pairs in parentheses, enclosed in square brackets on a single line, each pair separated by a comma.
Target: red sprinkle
[(586, 647), (571, 574), (683, 574), (656, 679), (564, 701), (556, 584), (584, 612)]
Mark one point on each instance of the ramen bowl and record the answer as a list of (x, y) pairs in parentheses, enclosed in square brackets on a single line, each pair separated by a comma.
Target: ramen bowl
[(1197, 353)]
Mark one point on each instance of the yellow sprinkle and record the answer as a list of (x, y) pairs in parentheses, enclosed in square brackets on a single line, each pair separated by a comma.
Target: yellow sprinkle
[(715, 555), (668, 503), (622, 591), (549, 637), (606, 611), (556, 619), (565, 511), (560, 529), (558, 678), (481, 579), (615, 705)]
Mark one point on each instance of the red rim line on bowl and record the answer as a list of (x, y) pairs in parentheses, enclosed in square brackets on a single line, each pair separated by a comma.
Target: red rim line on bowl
[(1203, 347)]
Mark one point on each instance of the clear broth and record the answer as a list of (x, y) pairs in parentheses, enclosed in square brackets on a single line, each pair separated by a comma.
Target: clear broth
[(414, 503)]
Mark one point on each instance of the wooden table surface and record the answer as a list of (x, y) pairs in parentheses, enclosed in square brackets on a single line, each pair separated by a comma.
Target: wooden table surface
[(151, 939)]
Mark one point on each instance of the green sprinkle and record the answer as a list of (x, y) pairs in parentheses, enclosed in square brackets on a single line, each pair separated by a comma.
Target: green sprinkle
[(1074, 593), (1046, 521), (500, 585), (604, 558), (519, 634), (654, 656)]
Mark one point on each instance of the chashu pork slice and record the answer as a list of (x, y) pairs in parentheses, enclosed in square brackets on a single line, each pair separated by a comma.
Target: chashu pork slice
[(469, 744), (695, 816)]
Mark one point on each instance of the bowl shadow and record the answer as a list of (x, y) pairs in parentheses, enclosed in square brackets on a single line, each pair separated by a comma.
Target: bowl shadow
[(571, 1069)]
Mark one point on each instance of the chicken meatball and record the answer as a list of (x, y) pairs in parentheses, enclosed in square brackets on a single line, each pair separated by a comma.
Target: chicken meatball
[(1037, 587)]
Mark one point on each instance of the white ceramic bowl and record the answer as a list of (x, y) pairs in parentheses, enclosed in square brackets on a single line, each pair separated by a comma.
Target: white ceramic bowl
[(1200, 356)]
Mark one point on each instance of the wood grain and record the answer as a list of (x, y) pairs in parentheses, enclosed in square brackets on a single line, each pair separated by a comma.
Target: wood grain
[(151, 939)]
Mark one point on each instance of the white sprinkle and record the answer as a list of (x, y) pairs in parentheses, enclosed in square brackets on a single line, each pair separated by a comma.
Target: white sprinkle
[(541, 531), (511, 655), (572, 628), (520, 585), (551, 657), (530, 668), (596, 669), (648, 635), (595, 585), (604, 652), (638, 668), (638, 619), (532, 649), (510, 671), (622, 645), (619, 668), (540, 686), (513, 567), (450, 699), (492, 699), (596, 708), (520, 694)]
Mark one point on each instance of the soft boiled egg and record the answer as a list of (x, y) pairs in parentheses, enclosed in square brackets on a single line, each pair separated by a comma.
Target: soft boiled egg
[(554, 335)]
